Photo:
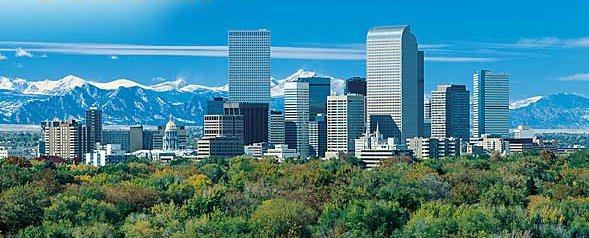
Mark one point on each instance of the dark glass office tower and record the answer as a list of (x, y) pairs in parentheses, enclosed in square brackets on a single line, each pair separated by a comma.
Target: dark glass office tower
[(356, 85), (319, 90), (255, 120), (93, 128)]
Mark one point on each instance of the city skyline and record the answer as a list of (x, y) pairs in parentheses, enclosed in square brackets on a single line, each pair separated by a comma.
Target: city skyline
[(537, 49)]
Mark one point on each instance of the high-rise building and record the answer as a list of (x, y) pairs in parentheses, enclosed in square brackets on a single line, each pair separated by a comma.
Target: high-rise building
[(356, 85), (249, 66), (276, 128), (93, 128), (491, 104), (296, 117), (345, 123), (223, 125), (117, 137), (62, 138), (420, 92), (318, 136), (255, 120), (215, 106), (450, 112), (427, 118), (393, 78), (319, 90), (135, 138)]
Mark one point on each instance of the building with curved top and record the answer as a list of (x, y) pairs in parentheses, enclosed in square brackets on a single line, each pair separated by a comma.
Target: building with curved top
[(170, 139), (394, 82)]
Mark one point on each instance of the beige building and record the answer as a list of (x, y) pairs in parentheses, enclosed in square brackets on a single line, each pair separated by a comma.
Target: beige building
[(62, 138)]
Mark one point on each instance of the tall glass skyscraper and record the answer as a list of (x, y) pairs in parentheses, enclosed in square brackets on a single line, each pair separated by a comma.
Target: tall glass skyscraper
[(491, 103), (319, 90), (296, 117), (393, 76), (249, 66), (450, 112)]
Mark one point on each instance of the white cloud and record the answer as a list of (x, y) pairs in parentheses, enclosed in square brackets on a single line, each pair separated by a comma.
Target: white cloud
[(461, 59), (544, 43), (114, 57), (20, 52), (44, 56), (3, 57), (575, 77)]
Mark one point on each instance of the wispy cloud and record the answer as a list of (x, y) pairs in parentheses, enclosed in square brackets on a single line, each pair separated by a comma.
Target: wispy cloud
[(543, 43), (3, 57), (114, 57), (575, 77), (312, 53), (20, 52), (461, 59)]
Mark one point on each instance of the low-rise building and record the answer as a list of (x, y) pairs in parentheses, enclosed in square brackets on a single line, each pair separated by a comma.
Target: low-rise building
[(105, 154), (256, 149), (6, 152), (372, 148), (281, 152), (431, 148), (220, 146)]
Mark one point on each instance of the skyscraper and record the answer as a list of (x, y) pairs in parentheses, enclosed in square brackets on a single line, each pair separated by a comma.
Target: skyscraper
[(62, 138), (420, 93), (93, 128), (249, 66), (276, 128), (345, 123), (318, 136), (356, 85), (450, 112), (393, 82), (491, 103), (319, 90), (136, 138), (296, 116), (255, 120), (427, 118)]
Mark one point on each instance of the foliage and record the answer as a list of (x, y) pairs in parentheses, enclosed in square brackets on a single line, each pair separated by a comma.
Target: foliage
[(525, 195)]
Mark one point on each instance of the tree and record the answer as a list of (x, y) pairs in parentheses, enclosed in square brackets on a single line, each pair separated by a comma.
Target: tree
[(282, 218), (21, 206)]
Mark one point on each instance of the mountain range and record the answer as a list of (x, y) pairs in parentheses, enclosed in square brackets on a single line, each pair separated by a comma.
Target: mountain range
[(124, 101)]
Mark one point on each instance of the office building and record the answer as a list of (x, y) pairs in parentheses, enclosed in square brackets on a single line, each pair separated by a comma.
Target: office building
[(93, 128), (62, 138), (105, 154), (492, 143), (522, 132), (491, 104), (373, 148), (393, 81), (319, 90), (9, 152), (431, 148), (276, 128), (450, 112), (420, 93), (148, 139), (221, 147), (345, 123), (136, 138), (356, 85), (281, 152), (215, 106), (223, 125), (296, 117), (119, 137), (427, 118), (256, 149), (249, 66), (255, 120), (318, 136)]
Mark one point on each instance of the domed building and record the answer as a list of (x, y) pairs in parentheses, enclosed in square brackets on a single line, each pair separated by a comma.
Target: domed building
[(170, 137)]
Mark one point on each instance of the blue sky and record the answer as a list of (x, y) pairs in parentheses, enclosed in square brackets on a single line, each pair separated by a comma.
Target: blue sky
[(543, 45)]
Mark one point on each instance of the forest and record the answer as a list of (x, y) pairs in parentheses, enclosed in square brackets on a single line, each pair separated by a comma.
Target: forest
[(524, 195)]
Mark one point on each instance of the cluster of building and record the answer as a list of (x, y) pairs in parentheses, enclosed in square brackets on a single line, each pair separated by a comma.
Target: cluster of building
[(381, 116), (88, 142)]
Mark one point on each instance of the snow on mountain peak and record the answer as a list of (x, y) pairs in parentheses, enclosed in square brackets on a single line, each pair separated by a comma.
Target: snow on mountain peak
[(524, 103), (119, 83), (58, 87), (169, 86)]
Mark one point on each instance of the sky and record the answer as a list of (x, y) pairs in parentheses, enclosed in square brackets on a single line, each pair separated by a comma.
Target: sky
[(543, 45)]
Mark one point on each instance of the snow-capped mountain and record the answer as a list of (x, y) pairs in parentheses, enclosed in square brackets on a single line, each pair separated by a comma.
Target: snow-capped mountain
[(123, 101), (524, 103), (562, 110)]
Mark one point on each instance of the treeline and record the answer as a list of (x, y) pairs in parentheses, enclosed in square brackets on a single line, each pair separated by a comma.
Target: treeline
[(517, 196)]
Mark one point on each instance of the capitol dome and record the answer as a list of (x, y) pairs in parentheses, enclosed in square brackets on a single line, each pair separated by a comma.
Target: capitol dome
[(171, 125)]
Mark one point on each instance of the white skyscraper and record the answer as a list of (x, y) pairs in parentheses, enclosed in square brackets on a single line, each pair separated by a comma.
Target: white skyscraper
[(249, 66), (393, 82), (491, 103), (296, 116), (345, 123)]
